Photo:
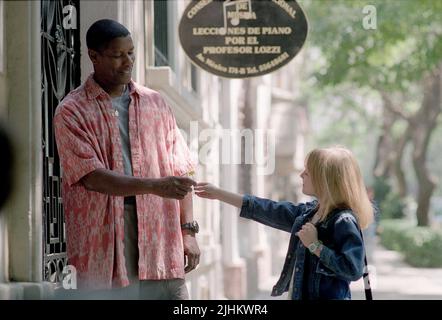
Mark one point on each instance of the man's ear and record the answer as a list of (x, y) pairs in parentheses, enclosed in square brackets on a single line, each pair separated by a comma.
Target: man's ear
[(93, 56)]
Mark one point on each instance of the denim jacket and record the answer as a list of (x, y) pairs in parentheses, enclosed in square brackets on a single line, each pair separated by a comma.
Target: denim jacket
[(342, 256)]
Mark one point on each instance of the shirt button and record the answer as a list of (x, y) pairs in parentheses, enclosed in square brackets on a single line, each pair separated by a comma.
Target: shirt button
[(289, 256), (297, 269)]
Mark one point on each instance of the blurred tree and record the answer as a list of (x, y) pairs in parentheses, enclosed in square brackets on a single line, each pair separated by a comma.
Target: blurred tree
[(391, 47)]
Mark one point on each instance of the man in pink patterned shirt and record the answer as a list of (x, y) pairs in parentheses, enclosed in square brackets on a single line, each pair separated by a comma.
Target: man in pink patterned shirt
[(127, 200)]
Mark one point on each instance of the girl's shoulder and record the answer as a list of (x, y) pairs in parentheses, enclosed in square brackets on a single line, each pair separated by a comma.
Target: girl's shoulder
[(308, 207), (341, 215), (312, 205)]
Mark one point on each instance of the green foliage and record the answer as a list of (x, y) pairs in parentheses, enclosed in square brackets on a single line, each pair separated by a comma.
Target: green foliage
[(406, 43), (345, 59), (392, 207), (381, 189), (421, 246), (391, 233)]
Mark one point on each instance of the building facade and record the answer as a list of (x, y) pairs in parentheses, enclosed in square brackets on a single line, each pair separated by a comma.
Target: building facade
[(43, 56)]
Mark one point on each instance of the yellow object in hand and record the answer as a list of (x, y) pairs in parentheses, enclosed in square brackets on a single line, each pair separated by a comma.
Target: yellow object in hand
[(191, 173)]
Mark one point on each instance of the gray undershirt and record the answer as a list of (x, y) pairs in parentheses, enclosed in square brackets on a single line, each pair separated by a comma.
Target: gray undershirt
[(121, 104)]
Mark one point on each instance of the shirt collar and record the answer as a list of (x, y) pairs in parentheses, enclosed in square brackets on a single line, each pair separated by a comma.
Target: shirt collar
[(93, 89)]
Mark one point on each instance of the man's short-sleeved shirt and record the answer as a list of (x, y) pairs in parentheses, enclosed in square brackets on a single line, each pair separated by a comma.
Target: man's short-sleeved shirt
[(88, 138)]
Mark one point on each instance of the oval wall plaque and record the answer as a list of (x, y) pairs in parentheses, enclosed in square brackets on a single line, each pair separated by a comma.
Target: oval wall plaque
[(242, 38)]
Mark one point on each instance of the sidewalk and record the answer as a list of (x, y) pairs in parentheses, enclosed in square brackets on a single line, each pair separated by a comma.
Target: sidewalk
[(393, 279)]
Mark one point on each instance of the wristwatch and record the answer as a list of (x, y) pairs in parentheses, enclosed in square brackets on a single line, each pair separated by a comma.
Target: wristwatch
[(192, 226), (312, 247)]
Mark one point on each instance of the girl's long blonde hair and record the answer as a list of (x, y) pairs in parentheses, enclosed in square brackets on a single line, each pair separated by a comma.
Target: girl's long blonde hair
[(338, 182)]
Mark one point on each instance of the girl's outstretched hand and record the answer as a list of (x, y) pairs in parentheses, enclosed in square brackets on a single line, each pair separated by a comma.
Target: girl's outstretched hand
[(209, 191), (205, 190)]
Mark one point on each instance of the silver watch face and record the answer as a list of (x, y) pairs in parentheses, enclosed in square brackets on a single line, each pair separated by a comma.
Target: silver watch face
[(312, 246), (193, 226)]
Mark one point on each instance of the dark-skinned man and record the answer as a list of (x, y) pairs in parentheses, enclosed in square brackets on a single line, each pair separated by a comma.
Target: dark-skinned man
[(126, 191)]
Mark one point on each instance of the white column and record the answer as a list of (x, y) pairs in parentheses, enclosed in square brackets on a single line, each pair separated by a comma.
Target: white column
[(234, 265), (261, 257), (131, 15), (206, 282), (24, 77), (3, 119)]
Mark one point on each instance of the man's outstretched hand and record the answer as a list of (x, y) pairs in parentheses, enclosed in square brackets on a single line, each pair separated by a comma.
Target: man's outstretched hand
[(173, 187)]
